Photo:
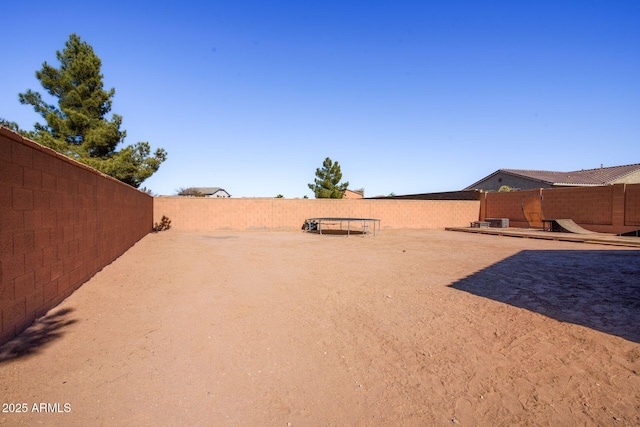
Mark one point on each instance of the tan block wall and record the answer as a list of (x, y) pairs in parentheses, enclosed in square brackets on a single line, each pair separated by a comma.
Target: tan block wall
[(508, 205), (584, 205), (606, 209), (60, 223), (201, 214), (632, 205)]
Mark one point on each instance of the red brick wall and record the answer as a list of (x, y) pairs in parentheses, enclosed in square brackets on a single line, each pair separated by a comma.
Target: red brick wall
[(60, 223), (608, 209), (195, 213)]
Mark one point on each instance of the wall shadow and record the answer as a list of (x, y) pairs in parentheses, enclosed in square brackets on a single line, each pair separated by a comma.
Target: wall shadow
[(35, 338), (598, 289)]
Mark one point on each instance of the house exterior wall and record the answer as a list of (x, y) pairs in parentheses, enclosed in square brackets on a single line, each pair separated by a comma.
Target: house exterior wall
[(217, 194), (633, 178), (348, 194), (60, 223), (201, 214), (606, 209)]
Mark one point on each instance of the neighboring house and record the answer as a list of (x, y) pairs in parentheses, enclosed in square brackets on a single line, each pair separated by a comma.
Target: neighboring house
[(212, 191), (529, 179), (351, 194)]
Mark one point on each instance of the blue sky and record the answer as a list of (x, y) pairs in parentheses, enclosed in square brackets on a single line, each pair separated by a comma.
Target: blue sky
[(408, 96)]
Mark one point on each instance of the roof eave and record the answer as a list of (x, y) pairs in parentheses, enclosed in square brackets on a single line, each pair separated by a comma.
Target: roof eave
[(568, 184)]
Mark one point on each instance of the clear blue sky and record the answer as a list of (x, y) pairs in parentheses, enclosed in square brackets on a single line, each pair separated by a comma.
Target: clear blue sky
[(408, 96)]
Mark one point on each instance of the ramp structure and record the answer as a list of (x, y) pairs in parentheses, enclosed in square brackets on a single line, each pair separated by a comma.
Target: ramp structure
[(565, 225), (532, 210)]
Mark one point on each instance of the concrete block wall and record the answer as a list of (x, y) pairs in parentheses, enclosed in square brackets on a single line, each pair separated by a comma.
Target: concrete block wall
[(202, 214), (632, 205), (60, 223), (585, 205), (605, 209), (508, 205)]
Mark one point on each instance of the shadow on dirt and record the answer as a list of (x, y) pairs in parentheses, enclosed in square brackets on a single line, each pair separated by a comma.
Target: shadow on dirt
[(33, 339), (334, 232), (598, 289)]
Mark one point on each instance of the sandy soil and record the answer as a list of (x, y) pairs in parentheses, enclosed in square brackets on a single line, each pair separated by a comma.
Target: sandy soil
[(409, 328)]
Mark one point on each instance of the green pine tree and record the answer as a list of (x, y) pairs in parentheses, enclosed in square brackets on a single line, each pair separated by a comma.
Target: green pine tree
[(78, 126), (327, 183)]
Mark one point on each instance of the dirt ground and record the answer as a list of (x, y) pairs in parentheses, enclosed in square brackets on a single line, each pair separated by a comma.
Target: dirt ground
[(410, 328)]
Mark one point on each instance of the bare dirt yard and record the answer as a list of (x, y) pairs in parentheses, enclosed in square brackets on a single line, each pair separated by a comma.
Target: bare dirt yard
[(411, 328)]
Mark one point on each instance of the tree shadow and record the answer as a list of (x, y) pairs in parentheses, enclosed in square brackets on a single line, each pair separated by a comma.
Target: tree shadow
[(33, 339), (598, 289)]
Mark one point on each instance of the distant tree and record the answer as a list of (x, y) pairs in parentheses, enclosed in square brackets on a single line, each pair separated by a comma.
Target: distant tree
[(279, 196), (78, 127), (305, 197), (148, 191), (504, 188), (327, 183), (392, 194), (190, 192)]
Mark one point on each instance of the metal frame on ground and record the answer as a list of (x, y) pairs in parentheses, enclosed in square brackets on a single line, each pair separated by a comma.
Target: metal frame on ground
[(315, 224)]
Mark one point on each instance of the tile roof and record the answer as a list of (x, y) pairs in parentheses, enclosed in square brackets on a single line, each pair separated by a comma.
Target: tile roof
[(208, 190), (598, 176)]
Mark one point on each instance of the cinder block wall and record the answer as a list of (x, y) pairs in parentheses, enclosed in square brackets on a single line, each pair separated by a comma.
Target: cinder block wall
[(584, 205), (60, 223), (632, 205), (204, 214), (508, 205), (605, 209)]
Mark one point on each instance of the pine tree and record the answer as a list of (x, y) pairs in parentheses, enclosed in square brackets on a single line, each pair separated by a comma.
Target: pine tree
[(77, 126), (327, 183)]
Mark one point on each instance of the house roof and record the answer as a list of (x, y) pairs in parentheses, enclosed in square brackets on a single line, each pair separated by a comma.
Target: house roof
[(209, 190), (584, 177)]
